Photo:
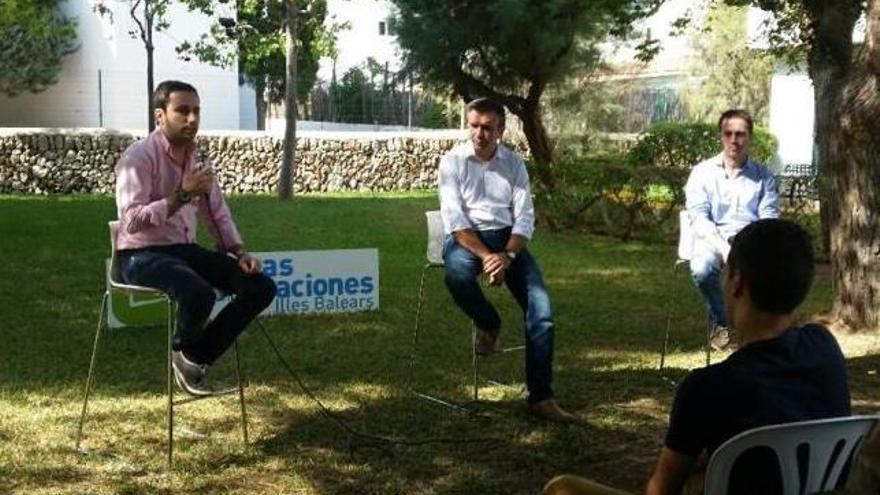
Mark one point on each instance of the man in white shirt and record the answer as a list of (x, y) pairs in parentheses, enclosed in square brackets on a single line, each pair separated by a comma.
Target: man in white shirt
[(724, 194), (489, 218)]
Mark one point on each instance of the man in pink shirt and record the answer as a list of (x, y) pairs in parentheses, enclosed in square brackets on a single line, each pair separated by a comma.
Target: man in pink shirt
[(160, 186)]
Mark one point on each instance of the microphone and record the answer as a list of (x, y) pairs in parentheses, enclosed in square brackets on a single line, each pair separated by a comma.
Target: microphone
[(203, 161)]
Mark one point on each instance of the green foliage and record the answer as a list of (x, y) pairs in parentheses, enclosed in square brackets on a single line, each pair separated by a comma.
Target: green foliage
[(353, 97), (511, 50), (257, 42), (34, 37), (732, 75), (436, 116), (604, 194), (580, 111), (788, 30), (675, 145)]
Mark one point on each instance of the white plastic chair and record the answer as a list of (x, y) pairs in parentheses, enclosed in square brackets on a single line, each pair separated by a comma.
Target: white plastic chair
[(434, 259), (114, 283), (686, 240), (832, 443)]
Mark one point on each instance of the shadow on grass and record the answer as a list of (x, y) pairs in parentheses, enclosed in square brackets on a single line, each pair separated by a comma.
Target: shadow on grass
[(518, 454)]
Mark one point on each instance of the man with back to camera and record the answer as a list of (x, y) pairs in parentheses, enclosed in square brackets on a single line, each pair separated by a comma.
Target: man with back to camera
[(724, 194), (160, 185), (488, 216), (781, 373)]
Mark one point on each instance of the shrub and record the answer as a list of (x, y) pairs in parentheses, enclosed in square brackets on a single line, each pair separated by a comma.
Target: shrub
[(606, 195), (668, 144)]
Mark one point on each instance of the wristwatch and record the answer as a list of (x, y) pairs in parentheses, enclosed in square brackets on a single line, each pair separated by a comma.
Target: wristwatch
[(183, 197), (511, 255)]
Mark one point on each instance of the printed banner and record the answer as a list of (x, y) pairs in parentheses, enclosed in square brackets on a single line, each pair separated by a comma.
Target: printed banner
[(309, 282)]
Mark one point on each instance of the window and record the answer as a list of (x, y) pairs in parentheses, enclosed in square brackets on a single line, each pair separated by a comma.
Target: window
[(381, 28)]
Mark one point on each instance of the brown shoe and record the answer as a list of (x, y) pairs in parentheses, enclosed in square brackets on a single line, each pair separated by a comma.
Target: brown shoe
[(487, 342), (550, 410)]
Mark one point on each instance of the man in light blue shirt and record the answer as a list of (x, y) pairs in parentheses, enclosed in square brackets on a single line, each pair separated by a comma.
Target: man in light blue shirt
[(724, 194), (489, 218)]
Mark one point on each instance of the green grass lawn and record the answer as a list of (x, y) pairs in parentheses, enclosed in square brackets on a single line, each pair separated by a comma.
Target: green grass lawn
[(610, 303)]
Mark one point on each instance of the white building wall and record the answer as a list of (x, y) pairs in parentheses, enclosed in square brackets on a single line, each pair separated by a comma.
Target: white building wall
[(121, 102), (362, 39), (792, 116)]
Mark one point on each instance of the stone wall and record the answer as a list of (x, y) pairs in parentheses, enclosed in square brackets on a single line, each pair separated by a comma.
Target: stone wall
[(49, 161)]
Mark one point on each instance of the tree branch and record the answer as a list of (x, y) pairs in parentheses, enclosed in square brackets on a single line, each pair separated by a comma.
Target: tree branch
[(141, 28), (469, 86)]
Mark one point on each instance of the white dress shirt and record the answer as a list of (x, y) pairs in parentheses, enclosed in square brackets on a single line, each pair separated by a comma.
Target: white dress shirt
[(482, 195)]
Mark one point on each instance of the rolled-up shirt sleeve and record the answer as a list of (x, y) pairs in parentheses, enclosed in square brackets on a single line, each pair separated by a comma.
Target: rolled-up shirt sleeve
[(768, 207), (218, 219), (451, 201), (137, 210), (697, 205), (523, 208)]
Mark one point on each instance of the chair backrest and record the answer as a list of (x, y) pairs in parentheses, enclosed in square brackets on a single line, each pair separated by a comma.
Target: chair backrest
[(830, 442), (685, 236), (434, 251)]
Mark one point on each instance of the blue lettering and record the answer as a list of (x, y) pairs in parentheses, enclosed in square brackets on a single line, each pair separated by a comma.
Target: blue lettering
[(282, 289), (319, 287), (336, 286), (351, 285), (286, 267), (295, 288), (366, 285), (269, 268)]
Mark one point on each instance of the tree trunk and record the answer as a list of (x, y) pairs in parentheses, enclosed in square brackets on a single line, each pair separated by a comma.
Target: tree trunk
[(855, 230), (539, 142), (285, 180), (148, 45), (854, 160), (260, 101), (829, 62)]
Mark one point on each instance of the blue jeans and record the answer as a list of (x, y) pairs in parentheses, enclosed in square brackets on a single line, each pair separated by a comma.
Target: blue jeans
[(706, 274), (523, 279), (189, 274)]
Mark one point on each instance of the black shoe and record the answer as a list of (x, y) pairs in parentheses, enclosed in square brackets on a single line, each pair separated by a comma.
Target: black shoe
[(190, 377)]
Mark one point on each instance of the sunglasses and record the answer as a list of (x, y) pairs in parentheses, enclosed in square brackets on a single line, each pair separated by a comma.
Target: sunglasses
[(728, 134)]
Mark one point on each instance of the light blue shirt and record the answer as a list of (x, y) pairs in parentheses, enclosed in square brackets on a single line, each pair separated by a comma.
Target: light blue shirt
[(485, 195), (724, 205)]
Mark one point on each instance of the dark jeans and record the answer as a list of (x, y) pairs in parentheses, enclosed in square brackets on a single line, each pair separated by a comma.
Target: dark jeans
[(189, 274), (523, 279)]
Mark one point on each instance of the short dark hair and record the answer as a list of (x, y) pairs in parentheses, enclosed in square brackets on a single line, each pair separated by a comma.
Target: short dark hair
[(774, 258), (165, 88), (488, 105), (736, 113)]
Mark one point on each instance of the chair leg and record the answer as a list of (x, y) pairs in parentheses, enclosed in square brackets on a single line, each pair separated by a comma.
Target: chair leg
[(169, 412), (418, 326), (665, 347), (474, 360), (92, 362), (244, 428)]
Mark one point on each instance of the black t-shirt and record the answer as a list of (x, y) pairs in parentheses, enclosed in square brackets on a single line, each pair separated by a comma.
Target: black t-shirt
[(798, 376)]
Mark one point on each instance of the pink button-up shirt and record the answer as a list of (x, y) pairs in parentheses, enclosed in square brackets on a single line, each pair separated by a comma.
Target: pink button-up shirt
[(146, 175)]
